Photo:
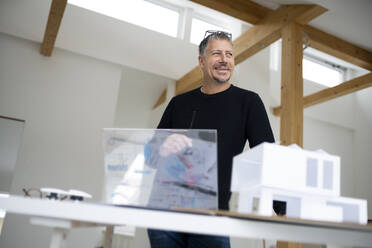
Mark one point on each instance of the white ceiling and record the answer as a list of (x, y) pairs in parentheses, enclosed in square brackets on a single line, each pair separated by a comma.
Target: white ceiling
[(102, 37)]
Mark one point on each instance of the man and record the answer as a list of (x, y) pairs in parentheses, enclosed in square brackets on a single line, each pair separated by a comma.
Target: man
[(238, 115)]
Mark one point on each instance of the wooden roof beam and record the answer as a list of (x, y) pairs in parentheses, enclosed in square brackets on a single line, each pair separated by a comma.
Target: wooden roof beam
[(345, 88), (161, 99), (57, 9), (319, 39), (339, 48), (247, 11), (256, 38), (268, 30)]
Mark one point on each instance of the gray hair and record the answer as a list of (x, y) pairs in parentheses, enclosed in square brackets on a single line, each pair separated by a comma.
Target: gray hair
[(213, 35)]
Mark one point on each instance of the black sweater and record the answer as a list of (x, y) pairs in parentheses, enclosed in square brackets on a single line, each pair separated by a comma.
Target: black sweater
[(238, 115)]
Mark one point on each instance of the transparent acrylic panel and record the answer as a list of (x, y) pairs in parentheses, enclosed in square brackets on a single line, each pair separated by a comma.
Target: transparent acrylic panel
[(161, 168)]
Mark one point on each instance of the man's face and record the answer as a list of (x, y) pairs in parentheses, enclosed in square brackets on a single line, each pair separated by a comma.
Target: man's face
[(217, 63)]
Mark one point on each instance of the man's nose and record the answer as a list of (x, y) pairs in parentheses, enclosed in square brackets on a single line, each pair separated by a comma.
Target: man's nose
[(223, 57)]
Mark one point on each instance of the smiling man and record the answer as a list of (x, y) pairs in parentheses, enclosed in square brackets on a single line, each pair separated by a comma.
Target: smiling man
[(217, 62), (237, 114)]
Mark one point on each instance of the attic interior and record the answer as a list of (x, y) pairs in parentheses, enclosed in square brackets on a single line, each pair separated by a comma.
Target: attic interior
[(69, 69)]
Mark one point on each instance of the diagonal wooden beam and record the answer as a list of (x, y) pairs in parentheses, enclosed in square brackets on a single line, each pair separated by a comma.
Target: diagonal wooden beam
[(161, 99), (190, 80), (339, 48), (345, 88), (248, 11), (57, 9), (257, 38), (268, 30), (319, 39)]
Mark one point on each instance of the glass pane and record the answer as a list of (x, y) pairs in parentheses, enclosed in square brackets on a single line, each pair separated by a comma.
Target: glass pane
[(320, 74), (328, 174), (311, 172), (198, 28), (161, 168), (139, 12)]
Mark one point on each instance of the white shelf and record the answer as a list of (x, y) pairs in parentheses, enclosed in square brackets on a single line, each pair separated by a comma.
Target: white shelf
[(268, 228)]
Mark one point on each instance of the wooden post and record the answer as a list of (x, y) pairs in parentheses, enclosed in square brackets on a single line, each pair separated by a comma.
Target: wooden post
[(291, 117)]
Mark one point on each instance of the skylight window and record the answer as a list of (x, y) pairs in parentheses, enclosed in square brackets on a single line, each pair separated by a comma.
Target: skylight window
[(198, 28), (316, 67), (321, 74), (139, 12)]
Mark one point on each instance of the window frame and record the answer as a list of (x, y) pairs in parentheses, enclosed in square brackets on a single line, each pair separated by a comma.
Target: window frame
[(323, 62)]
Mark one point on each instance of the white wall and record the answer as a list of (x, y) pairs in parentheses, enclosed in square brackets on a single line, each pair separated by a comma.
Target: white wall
[(362, 143), (65, 100), (139, 91)]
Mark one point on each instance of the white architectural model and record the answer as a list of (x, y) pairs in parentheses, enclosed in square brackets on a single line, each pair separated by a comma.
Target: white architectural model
[(306, 184)]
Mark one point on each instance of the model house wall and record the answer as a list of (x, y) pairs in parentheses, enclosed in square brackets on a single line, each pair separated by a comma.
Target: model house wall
[(287, 168), (306, 184)]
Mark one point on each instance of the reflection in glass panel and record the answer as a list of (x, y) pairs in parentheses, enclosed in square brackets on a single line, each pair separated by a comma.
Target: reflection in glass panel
[(161, 168), (139, 12), (198, 28)]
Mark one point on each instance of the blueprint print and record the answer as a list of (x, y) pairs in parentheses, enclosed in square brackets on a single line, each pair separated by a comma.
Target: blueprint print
[(161, 168)]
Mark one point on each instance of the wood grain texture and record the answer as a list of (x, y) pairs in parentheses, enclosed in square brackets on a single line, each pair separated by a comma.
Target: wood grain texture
[(57, 9), (252, 41), (345, 88), (339, 48), (319, 39), (291, 117), (247, 11), (161, 99)]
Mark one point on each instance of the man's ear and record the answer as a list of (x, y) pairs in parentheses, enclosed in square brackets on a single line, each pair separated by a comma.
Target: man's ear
[(201, 61)]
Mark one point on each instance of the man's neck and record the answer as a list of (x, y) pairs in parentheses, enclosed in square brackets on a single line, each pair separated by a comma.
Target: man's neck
[(213, 88)]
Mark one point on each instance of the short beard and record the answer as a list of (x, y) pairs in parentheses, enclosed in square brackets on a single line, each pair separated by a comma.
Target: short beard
[(221, 81)]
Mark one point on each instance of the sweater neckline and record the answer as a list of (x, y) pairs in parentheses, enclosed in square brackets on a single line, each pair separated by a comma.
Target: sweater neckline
[(216, 94)]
